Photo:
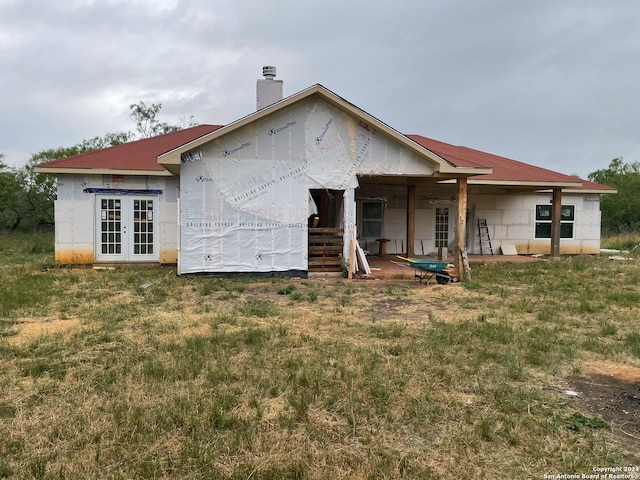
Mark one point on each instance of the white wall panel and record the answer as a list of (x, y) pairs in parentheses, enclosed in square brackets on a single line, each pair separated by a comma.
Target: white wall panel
[(75, 212)]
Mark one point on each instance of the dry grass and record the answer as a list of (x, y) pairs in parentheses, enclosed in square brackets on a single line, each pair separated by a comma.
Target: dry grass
[(209, 378)]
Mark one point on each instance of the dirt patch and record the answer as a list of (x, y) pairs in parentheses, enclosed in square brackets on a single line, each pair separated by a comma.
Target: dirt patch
[(31, 328), (412, 301), (626, 373), (389, 308), (612, 393)]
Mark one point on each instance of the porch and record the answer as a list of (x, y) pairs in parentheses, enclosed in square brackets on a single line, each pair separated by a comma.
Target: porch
[(385, 267)]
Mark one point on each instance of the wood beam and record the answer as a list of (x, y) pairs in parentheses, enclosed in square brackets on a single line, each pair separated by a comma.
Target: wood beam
[(556, 213), (461, 263)]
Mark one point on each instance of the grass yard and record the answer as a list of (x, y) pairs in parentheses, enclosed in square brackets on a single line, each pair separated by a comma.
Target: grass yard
[(530, 369)]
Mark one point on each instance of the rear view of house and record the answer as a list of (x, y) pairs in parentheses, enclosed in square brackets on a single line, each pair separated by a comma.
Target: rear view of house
[(286, 189)]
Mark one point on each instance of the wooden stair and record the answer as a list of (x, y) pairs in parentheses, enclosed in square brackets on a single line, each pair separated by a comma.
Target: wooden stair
[(325, 249)]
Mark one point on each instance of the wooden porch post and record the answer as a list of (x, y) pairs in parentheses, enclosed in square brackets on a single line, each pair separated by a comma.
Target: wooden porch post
[(411, 220), (461, 263), (556, 212)]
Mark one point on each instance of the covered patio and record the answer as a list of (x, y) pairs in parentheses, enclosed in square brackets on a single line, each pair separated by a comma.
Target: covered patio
[(386, 267)]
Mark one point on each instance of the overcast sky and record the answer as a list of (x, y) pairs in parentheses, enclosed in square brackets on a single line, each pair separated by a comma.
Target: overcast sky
[(549, 82)]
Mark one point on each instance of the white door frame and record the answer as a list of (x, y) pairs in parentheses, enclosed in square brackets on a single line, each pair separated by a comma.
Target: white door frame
[(126, 228), (450, 226)]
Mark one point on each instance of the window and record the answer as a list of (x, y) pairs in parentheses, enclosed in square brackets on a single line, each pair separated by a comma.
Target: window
[(372, 219), (543, 221)]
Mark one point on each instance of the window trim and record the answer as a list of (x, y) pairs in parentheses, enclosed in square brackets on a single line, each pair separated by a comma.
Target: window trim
[(542, 222), (369, 220)]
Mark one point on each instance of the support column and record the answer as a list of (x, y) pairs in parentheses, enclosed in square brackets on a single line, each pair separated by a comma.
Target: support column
[(556, 213), (461, 262), (411, 220), (348, 221)]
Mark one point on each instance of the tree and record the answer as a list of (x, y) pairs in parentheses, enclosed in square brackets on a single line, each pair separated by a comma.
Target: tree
[(31, 206), (620, 212), (26, 197), (9, 190), (147, 123)]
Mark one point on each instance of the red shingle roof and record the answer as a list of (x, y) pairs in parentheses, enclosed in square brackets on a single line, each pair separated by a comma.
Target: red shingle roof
[(138, 155), (504, 169)]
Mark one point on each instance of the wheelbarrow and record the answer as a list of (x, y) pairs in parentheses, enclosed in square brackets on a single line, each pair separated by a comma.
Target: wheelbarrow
[(425, 268)]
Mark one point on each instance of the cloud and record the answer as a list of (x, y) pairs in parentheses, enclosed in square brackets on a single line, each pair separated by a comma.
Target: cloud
[(546, 82)]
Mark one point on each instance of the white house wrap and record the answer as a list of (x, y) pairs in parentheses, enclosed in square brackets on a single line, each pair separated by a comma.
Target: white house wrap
[(245, 199)]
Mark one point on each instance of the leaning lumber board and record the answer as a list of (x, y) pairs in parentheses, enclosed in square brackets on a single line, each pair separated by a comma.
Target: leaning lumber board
[(351, 260), (362, 259)]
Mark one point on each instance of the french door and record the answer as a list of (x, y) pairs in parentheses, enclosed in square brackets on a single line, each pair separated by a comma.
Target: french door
[(443, 227), (126, 228)]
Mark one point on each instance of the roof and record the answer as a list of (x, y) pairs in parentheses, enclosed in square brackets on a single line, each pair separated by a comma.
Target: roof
[(138, 157), (505, 170), (160, 155)]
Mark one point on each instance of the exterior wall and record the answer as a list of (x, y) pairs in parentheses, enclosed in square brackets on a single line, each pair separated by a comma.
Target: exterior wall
[(168, 227), (510, 219), (75, 222), (244, 203)]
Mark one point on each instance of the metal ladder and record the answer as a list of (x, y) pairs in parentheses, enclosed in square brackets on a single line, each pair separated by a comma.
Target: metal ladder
[(485, 238)]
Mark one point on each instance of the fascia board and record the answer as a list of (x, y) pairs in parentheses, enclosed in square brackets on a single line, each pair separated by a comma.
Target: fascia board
[(518, 183), (588, 190), (102, 171), (451, 173)]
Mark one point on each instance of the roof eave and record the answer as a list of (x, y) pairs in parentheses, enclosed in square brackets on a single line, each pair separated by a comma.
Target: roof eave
[(520, 183), (525, 183), (449, 171), (589, 191), (101, 171)]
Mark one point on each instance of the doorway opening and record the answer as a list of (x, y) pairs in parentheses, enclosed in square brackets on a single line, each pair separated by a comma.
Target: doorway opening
[(326, 231)]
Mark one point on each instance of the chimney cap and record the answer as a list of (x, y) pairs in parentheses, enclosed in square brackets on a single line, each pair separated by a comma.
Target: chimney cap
[(269, 72)]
